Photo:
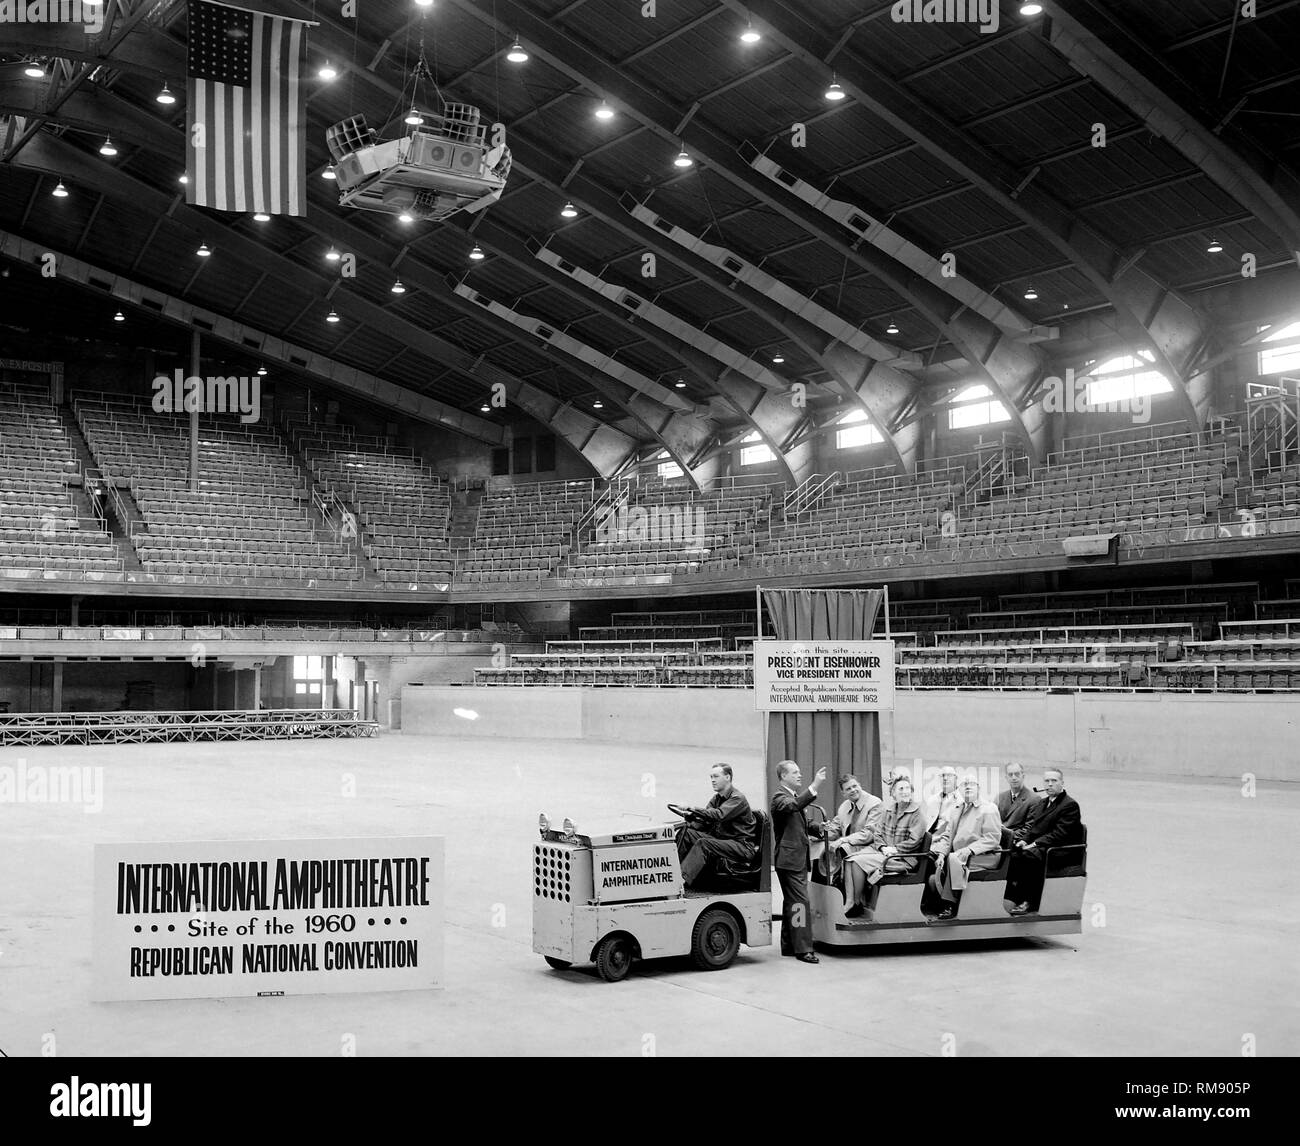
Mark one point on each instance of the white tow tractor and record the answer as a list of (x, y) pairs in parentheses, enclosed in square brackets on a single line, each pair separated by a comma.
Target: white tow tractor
[(613, 894)]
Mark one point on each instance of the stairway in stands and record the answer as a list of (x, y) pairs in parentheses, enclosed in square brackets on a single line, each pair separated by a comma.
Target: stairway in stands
[(463, 522), (118, 529)]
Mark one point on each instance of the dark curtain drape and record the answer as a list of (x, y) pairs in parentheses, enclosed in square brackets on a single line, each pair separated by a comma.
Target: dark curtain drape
[(843, 742)]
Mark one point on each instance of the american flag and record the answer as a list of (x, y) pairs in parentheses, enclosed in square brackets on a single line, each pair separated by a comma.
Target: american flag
[(246, 115)]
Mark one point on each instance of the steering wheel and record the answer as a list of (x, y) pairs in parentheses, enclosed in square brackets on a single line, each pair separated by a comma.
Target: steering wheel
[(678, 810)]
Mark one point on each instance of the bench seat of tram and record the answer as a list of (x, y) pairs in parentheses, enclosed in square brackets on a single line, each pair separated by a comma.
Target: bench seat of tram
[(993, 874), (920, 875), (1069, 860)]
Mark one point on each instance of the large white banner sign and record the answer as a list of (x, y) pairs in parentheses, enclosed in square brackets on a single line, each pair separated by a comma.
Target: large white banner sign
[(267, 917), (824, 676)]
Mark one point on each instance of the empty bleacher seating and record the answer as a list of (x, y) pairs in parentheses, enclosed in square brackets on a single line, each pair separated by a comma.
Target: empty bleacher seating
[(251, 515), (649, 527), (523, 532), (400, 505), (42, 532), (867, 513)]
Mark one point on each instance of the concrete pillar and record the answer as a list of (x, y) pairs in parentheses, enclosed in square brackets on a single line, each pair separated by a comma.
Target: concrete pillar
[(257, 688), (380, 670), (56, 704), (75, 619)]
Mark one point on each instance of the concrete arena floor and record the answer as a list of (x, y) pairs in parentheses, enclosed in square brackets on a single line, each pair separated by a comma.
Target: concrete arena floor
[(1196, 953)]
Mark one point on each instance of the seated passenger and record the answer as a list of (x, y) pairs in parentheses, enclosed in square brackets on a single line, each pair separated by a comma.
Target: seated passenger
[(970, 838), (937, 811), (1016, 803), (1053, 821), (854, 830), (722, 828), (898, 845), (902, 832)]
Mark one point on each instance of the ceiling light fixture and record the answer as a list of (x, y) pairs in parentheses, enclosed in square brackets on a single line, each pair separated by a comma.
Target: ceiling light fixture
[(328, 173), (182, 178), (1215, 247), (203, 252), (406, 217), (107, 148), (261, 217), (397, 287), (680, 384), (261, 371), (569, 211), (1031, 9), (424, 3), (119, 317), (165, 96), (60, 191), (34, 70), (1031, 295), (327, 72), (413, 118), (835, 93), (750, 35), (485, 408), (777, 359), (332, 255), (517, 55), (333, 316), (477, 253), (683, 160), (604, 111), (892, 328), (598, 405)]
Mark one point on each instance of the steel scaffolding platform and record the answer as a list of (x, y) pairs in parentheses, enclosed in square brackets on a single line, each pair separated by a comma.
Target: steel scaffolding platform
[(34, 728)]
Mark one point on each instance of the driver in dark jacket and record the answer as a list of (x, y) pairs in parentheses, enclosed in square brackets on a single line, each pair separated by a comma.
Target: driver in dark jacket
[(723, 827)]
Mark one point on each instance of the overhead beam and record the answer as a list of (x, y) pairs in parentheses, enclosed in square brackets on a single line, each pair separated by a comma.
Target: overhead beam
[(354, 238), (1011, 370), (1160, 320), (685, 438), (1097, 43), (111, 41), (49, 154), (533, 160), (738, 388), (247, 339)]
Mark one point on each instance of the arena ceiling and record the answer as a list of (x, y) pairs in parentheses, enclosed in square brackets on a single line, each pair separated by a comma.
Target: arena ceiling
[(951, 140)]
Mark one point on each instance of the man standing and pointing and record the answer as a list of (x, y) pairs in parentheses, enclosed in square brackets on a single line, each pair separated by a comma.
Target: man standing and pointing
[(790, 828)]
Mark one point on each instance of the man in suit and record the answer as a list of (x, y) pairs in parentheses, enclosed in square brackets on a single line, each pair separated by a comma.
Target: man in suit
[(970, 838), (790, 829), (723, 827), (854, 830), (949, 797), (1017, 801), (1053, 821)]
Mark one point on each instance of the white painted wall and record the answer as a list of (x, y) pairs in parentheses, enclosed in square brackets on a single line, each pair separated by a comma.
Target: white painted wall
[(1172, 734)]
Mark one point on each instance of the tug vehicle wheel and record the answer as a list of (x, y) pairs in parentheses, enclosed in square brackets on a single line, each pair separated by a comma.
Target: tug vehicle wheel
[(614, 958), (715, 941)]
